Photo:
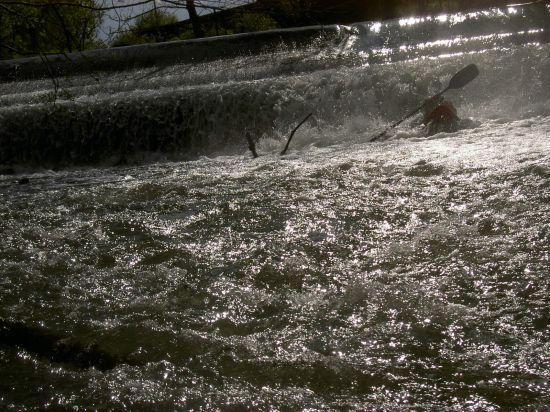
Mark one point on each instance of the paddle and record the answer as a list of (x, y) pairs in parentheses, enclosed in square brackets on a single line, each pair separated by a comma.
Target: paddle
[(458, 81)]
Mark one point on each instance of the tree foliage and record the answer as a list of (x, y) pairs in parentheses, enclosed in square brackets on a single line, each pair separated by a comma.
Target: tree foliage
[(291, 13), (50, 28), (144, 29)]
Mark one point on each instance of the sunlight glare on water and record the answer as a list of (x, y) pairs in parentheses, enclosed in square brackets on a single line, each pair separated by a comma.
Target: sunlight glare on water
[(409, 273)]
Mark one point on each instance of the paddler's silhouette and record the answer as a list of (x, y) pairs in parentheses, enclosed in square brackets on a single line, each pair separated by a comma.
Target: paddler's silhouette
[(440, 116)]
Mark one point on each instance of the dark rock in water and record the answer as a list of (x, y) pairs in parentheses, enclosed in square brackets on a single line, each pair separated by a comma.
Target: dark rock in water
[(7, 171), (24, 181), (56, 348), (424, 169)]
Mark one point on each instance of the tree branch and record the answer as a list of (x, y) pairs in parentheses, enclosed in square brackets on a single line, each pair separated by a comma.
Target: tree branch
[(50, 71), (76, 4)]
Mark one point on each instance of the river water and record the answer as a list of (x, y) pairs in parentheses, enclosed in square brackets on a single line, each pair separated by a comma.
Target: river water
[(410, 273)]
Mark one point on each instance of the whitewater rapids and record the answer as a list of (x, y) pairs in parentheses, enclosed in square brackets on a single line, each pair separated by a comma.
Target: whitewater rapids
[(411, 273)]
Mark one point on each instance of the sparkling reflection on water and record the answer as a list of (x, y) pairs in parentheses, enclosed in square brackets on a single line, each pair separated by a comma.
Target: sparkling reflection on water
[(407, 273), (411, 273)]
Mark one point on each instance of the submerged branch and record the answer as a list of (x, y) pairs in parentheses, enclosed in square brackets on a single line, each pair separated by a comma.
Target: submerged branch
[(294, 131), (251, 145)]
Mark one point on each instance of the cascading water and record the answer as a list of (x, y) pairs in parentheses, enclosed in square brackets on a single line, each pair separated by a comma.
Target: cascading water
[(408, 273)]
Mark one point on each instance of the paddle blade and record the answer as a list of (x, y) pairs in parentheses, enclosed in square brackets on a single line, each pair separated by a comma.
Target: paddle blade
[(463, 77)]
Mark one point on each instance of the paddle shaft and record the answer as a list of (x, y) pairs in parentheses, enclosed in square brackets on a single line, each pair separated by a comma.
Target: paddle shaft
[(411, 114)]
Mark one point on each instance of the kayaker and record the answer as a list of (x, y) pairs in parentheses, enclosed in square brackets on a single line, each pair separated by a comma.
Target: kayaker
[(440, 116)]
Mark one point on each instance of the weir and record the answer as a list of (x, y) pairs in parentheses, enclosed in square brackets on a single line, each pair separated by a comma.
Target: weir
[(184, 99), (175, 52)]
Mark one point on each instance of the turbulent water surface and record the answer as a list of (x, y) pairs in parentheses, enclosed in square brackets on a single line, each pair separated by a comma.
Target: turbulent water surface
[(407, 273)]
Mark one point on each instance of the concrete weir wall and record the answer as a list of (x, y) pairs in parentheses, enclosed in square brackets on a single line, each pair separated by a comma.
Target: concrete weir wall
[(185, 51)]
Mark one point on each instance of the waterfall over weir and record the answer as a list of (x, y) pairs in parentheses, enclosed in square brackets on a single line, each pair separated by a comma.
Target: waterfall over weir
[(148, 262), (184, 99)]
